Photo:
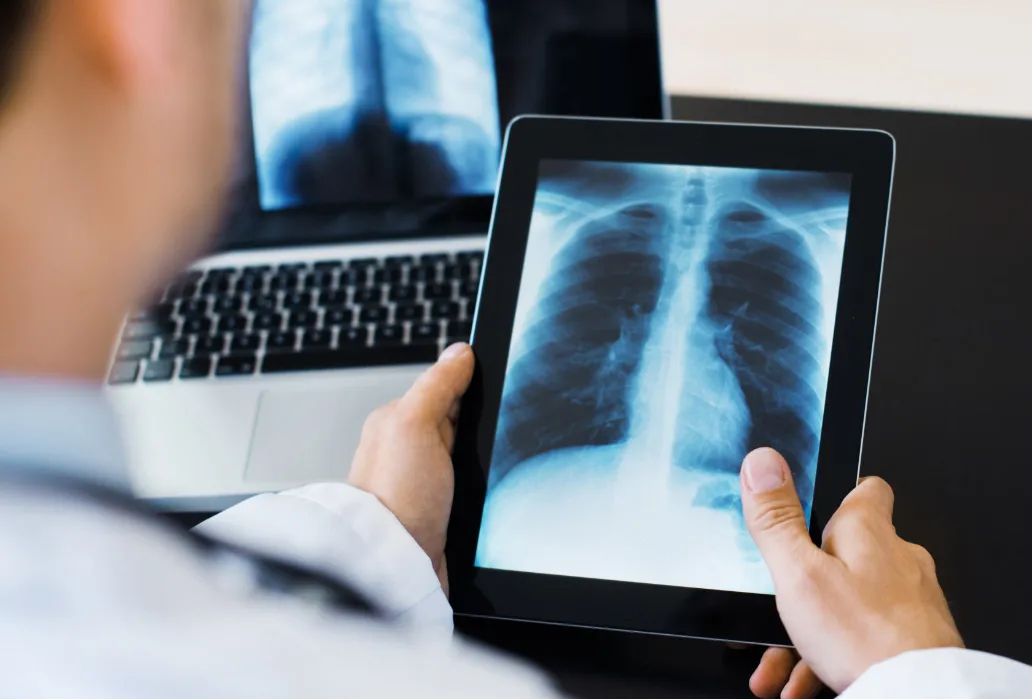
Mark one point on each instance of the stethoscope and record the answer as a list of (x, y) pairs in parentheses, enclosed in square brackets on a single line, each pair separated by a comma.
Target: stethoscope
[(265, 573)]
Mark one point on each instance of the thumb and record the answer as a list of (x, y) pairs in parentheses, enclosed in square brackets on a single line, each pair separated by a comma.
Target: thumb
[(436, 393), (773, 513)]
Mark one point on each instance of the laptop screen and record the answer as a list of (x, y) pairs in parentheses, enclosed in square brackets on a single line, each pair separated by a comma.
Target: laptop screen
[(373, 119)]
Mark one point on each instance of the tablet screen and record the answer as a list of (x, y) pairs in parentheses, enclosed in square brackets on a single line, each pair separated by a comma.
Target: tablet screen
[(669, 320)]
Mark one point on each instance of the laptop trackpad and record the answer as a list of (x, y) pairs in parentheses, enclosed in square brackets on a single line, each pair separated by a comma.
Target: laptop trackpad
[(307, 436)]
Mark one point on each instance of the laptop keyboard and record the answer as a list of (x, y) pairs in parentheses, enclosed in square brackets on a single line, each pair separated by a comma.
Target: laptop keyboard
[(302, 317)]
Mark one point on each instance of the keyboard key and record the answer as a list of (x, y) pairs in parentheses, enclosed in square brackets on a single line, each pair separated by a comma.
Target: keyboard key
[(329, 299), (123, 373), (423, 273), (328, 265), (406, 294), (196, 326), (388, 275), (399, 261), (196, 368), (221, 272), (225, 305), (303, 319), (297, 300), (318, 281), (351, 277), (469, 289), (434, 258), (316, 339), (444, 310), (209, 344), (145, 330), (281, 341), (218, 287), (250, 285), (364, 263), (284, 281), (193, 316), (388, 335), (349, 357), (353, 337), (437, 291), (181, 291), (256, 270), (373, 314), (268, 321), (292, 267), (244, 343), (338, 316), (425, 333), (160, 370), (263, 302), (232, 323), (162, 311), (237, 365), (137, 349), (460, 330), (409, 311), (470, 256), (194, 307), (368, 296), (170, 349)]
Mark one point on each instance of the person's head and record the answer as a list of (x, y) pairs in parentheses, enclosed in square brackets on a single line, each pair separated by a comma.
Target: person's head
[(116, 121)]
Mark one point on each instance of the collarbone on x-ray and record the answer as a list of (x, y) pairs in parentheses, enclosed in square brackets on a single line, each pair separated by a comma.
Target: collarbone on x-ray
[(670, 320)]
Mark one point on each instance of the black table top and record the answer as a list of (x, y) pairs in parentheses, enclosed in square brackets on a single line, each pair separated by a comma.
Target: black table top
[(948, 404)]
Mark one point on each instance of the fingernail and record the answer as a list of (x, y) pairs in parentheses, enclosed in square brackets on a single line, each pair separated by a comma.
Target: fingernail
[(763, 472), (453, 352)]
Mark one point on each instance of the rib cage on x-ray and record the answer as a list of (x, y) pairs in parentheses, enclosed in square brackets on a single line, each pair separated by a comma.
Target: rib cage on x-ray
[(686, 314), (372, 100)]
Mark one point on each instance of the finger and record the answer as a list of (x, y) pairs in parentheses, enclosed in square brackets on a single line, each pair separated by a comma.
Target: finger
[(803, 684), (924, 559), (773, 672), (774, 514), (872, 493), (433, 396)]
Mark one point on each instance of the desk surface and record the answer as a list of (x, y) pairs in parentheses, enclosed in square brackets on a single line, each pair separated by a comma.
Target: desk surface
[(949, 396)]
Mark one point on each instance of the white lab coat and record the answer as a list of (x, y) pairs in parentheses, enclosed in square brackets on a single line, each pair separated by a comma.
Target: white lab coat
[(138, 613)]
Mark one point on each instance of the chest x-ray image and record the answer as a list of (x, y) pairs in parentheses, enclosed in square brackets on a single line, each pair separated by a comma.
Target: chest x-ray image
[(670, 319), (372, 101)]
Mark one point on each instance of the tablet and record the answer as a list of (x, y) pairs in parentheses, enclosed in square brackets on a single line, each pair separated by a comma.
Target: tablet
[(658, 299)]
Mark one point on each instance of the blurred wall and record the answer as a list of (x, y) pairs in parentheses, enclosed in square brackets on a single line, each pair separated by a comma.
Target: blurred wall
[(970, 56)]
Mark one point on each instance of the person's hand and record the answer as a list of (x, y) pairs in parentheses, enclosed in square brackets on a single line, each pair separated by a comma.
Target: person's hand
[(783, 674), (404, 457), (866, 597)]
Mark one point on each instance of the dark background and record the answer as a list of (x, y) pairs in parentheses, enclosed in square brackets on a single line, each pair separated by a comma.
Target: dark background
[(948, 405)]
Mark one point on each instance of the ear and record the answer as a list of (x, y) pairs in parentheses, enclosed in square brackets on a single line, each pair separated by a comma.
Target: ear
[(123, 42)]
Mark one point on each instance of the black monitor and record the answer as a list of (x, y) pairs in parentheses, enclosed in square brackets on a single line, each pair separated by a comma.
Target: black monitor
[(380, 119)]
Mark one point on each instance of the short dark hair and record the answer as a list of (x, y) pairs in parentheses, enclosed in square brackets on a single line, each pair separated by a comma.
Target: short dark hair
[(16, 19)]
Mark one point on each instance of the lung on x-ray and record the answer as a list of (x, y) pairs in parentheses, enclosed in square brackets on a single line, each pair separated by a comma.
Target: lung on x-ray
[(372, 101), (670, 319)]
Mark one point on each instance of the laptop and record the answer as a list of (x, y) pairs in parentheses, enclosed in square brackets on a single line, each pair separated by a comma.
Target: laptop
[(353, 239)]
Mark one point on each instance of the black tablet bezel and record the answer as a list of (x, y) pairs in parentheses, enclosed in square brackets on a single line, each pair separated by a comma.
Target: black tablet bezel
[(868, 156)]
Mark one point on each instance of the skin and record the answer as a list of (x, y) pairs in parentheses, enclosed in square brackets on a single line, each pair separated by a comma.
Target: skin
[(404, 457), (862, 598), (114, 158), (114, 154)]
